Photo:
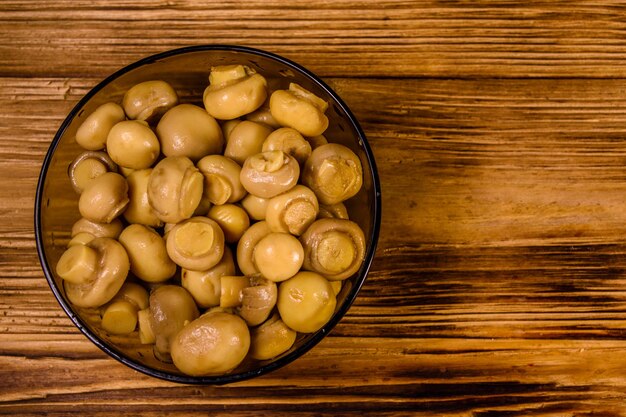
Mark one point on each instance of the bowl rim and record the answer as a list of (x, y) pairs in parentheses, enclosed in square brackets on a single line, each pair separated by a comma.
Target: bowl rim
[(232, 377)]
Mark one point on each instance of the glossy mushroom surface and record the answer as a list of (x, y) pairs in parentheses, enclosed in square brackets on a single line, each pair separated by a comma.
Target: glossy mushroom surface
[(171, 309), (205, 286), (293, 211), (232, 219), (121, 314), (88, 166), (268, 174), (148, 256), (246, 139), (257, 300), (221, 179), (139, 209), (149, 100), (278, 256), (188, 130), (105, 198), (175, 188), (112, 229), (213, 344), (196, 243), (334, 173), (271, 339), (246, 247), (334, 248), (299, 109), (233, 91), (256, 207), (306, 302), (132, 144), (93, 273), (92, 133), (289, 141)]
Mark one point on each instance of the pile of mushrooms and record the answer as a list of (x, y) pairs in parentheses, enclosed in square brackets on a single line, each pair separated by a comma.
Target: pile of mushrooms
[(215, 233)]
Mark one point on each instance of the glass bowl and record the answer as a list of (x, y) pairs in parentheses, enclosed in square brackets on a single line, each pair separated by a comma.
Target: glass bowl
[(187, 69)]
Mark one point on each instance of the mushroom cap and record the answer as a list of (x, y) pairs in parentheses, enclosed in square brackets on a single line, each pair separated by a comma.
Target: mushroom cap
[(333, 172), (188, 130), (105, 198), (171, 308), (111, 270), (213, 344), (175, 189), (333, 247)]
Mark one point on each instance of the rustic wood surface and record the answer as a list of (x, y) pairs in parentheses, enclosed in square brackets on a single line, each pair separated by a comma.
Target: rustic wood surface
[(499, 129)]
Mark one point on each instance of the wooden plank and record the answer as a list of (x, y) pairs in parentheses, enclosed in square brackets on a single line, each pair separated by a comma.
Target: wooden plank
[(498, 286), (336, 38)]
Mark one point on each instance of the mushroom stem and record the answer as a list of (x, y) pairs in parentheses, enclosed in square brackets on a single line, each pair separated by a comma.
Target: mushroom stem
[(120, 317), (146, 334), (77, 264)]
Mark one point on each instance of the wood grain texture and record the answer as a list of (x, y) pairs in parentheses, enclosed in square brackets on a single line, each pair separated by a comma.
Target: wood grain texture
[(425, 38), (499, 284)]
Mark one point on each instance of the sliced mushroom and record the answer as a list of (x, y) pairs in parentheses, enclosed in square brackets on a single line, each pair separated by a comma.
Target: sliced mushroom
[(87, 166), (93, 273), (334, 248)]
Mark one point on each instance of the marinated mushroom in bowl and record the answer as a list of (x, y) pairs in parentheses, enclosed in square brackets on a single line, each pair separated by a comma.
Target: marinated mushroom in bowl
[(88, 166), (93, 273), (229, 174), (334, 248), (270, 173), (334, 173), (175, 188), (149, 100)]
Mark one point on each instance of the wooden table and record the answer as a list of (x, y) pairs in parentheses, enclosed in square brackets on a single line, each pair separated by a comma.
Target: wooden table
[(499, 129)]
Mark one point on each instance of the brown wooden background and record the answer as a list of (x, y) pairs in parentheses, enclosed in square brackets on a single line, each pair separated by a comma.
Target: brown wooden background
[(499, 128)]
